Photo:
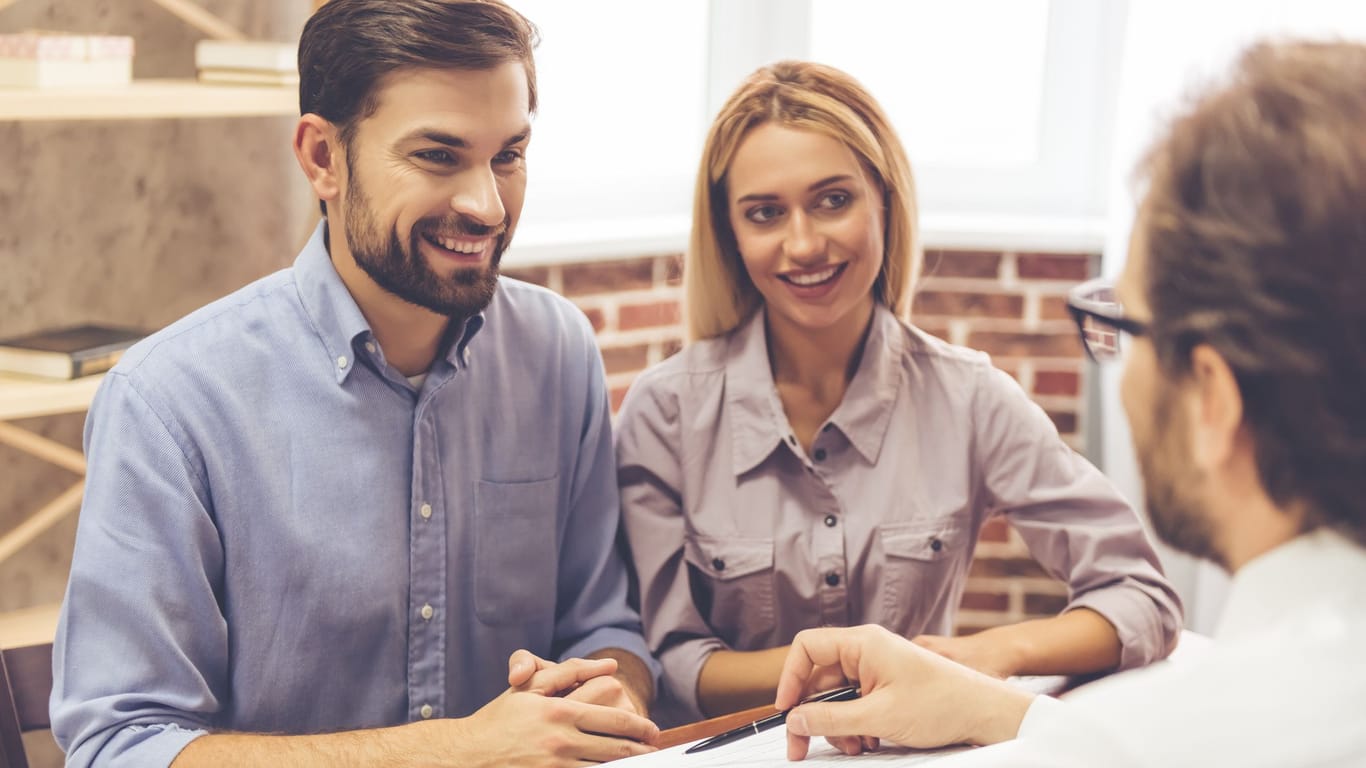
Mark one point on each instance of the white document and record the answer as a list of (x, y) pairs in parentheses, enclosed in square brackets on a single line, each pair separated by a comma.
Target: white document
[(770, 749)]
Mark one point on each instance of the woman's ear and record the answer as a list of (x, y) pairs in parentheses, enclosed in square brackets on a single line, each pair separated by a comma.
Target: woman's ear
[(317, 148)]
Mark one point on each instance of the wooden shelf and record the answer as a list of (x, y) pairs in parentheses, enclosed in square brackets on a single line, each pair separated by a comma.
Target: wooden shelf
[(23, 398), (148, 99)]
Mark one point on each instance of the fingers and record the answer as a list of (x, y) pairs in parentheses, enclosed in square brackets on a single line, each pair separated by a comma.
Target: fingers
[(839, 648), (601, 749), (605, 691), (522, 664), (832, 720), (609, 721), (553, 679)]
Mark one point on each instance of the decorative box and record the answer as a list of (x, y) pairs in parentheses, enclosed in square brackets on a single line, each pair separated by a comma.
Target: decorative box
[(56, 60)]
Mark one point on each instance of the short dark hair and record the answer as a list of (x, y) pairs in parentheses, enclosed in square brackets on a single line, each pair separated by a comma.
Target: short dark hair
[(1255, 226), (349, 46)]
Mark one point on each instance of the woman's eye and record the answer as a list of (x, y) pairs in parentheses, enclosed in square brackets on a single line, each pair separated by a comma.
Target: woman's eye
[(835, 200), (762, 214)]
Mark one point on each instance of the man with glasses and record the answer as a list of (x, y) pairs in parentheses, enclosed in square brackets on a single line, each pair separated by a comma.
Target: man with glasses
[(1241, 323)]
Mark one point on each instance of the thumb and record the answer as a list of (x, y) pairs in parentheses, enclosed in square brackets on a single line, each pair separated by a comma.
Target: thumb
[(842, 718), (521, 665)]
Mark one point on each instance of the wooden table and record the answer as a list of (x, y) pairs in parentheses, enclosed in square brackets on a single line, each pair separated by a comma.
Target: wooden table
[(26, 398)]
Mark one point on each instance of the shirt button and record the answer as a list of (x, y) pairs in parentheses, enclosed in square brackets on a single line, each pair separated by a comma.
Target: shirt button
[(341, 361), (370, 347), (831, 521), (426, 511), (819, 455), (427, 612), (832, 579), (718, 564), (426, 711), (936, 544)]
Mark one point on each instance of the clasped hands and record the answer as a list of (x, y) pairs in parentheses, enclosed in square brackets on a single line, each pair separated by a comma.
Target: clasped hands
[(562, 714)]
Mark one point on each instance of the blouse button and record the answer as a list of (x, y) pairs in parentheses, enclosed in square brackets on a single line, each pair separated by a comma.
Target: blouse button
[(718, 564), (819, 455), (832, 579), (936, 544), (830, 521)]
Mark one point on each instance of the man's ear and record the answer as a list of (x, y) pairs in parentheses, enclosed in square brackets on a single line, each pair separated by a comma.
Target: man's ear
[(318, 150), (1215, 408)]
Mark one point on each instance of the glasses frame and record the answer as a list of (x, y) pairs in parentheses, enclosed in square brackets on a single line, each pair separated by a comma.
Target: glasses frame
[(1081, 307)]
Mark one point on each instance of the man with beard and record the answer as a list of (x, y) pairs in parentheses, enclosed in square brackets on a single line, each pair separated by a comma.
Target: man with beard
[(363, 510), (1241, 318)]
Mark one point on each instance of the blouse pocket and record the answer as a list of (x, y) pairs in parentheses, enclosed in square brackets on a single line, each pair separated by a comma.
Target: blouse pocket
[(922, 559), (515, 558), (732, 585)]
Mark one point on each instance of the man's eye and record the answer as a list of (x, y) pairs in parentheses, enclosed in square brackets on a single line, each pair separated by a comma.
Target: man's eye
[(762, 214), (508, 156), (435, 156)]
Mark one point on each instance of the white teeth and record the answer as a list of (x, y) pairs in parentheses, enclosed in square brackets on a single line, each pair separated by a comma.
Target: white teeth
[(452, 244), (814, 278)]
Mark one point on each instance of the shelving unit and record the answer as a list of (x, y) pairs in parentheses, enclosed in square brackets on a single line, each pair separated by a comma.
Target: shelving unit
[(146, 99)]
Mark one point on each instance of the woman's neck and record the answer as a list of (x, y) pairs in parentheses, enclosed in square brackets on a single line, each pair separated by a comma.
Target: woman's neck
[(813, 368)]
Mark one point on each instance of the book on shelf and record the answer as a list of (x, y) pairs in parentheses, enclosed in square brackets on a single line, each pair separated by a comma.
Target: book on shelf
[(67, 353), (43, 59), (247, 62)]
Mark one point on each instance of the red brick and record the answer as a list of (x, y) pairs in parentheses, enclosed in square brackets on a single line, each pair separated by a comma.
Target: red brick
[(1044, 605), (1065, 421), (958, 304), (995, 529), (1053, 266), (617, 395), (670, 348), (624, 359), (985, 601), (632, 316), (1054, 308), (596, 318), (609, 277), (537, 275), (962, 264), (1006, 567), (673, 269), (1057, 383), (1013, 344)]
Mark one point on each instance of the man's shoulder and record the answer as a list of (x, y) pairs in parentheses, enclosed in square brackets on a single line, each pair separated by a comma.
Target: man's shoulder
[(535, 315), (208, 336)]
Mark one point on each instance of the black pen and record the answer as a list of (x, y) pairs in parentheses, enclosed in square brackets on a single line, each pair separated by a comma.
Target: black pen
[(772, 721)]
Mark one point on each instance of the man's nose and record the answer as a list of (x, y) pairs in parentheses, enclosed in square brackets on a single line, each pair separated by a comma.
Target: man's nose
[(478, 198)]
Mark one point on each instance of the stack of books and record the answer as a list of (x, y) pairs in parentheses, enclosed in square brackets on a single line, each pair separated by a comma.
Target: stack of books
[(247, 62), (67, 353), (37, 59)]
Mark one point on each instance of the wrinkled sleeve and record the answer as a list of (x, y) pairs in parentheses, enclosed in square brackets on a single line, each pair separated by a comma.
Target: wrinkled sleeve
[(1073, 520), (141, 653), (650, 473), (593, 613)]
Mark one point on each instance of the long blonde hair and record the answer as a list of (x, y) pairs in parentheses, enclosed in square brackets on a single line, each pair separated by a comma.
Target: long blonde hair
[(719, 295)]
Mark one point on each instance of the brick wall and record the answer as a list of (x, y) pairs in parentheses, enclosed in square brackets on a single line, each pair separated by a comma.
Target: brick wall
[(1008, 304)]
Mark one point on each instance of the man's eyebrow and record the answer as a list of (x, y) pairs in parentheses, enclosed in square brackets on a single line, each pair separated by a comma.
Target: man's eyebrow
[(445, 138), (823, 182)]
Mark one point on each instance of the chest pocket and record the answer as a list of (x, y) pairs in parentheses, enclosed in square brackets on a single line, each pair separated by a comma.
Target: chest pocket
[(732, 585), (515, 557), (921, 566)]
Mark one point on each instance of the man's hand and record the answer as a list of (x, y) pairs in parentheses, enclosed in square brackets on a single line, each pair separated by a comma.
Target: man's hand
[(618, 679), (909, 695), (527, 728)]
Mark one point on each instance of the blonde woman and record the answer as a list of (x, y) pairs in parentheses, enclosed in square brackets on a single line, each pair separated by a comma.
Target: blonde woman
[(812, 459)]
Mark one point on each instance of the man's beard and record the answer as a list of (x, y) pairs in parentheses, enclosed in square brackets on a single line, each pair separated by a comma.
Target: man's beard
[(1172, 483), (404, 272)]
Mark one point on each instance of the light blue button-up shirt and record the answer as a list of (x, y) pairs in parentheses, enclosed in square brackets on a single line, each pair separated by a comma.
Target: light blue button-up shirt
[(282, 534)]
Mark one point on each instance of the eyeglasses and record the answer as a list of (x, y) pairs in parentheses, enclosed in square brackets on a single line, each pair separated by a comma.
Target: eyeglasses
[(1101, 321)]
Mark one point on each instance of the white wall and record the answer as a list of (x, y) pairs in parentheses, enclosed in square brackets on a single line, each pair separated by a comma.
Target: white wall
[(1171, 46)]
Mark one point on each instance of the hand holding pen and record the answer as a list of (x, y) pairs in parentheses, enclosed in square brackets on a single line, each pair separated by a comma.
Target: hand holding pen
[(846, 693)]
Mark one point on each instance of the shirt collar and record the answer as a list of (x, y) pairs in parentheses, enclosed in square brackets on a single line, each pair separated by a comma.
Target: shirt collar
[(1317, 568), (337, 319), (757, 422)]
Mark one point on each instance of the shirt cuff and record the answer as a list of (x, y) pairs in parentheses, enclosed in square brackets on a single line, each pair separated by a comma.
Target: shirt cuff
[(1141, 638), (682, 667), (613, 637), (1044, 712)]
